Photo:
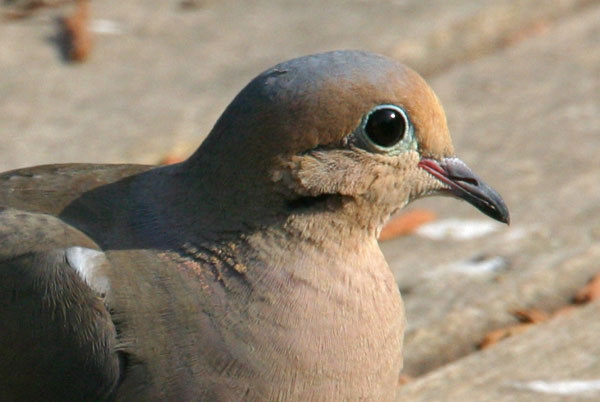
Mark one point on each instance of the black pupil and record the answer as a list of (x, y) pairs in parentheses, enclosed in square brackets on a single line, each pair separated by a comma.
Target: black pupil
[(385, 127)]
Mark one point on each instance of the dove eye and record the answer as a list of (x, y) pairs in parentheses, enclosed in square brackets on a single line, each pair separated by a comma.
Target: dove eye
[(385, 126)]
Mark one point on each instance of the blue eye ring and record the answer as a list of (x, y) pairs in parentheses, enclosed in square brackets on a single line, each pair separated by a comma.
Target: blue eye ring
[(387, 129)]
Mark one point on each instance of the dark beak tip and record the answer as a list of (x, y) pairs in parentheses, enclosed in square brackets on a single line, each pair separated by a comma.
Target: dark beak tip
[(465, 184), (503, 216), (488, 201), (498, 211), (494, 207)]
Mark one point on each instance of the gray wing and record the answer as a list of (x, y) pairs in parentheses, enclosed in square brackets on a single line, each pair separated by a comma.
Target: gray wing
[(57, 339)]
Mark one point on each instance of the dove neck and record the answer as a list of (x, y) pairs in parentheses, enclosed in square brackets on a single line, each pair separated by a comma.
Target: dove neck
[(221, 205)]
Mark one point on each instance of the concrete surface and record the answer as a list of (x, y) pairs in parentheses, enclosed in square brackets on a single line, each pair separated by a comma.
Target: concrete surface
[(527, 119), (165, 73), (523, 369)]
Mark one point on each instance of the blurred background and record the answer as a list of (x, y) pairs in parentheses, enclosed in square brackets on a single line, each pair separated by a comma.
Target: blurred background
[(494, 313)]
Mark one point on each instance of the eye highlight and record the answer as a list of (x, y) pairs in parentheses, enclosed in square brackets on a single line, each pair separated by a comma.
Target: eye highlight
[(385, 127)]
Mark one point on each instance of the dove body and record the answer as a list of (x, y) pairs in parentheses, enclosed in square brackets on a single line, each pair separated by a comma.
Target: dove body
[(250, 271)]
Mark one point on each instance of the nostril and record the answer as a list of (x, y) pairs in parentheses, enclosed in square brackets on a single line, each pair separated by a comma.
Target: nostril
[(467, 180)]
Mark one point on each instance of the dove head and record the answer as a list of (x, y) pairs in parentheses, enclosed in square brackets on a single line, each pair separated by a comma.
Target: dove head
[(345, 132)]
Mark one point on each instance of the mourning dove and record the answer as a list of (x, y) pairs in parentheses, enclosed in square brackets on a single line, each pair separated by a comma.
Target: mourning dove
[(250, 271)]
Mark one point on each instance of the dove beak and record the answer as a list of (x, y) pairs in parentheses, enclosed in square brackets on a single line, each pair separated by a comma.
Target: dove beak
[(463, 183)]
